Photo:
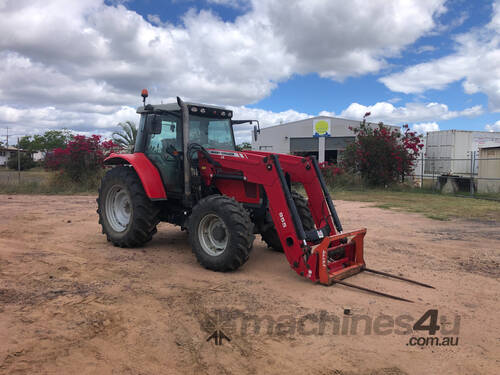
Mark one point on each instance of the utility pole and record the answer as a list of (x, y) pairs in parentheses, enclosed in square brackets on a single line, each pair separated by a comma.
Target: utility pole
[(7, 150), (18, 162)]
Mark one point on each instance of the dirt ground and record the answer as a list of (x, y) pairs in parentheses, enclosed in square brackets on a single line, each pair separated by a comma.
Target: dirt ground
[(70, 303)]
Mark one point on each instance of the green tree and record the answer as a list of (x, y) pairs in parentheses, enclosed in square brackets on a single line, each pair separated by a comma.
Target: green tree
[(47, 141), (126, 137), (243, 146), (26, 161)]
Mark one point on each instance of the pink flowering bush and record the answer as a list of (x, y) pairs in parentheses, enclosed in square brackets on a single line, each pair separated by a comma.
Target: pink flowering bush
[(380, 155), (81, 160)]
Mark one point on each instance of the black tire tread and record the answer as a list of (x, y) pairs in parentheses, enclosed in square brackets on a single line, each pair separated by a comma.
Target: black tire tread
[(270, 235), (146, 214), (240, 229)]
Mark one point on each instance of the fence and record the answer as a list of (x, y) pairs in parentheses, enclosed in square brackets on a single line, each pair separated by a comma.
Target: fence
[(9, 177), (477, 175)]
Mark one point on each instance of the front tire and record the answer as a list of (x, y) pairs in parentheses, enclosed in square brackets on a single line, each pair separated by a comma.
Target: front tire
[(269, 234), (220, 233), (126, 214)]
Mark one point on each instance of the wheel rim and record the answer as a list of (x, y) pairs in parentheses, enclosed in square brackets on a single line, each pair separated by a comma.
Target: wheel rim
[(118, 208), (213, 235)]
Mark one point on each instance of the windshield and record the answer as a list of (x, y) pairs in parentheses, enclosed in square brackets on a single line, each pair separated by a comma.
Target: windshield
[(208, 132), (211, 133)]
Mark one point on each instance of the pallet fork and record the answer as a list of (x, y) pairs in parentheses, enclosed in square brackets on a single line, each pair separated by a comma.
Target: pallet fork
[(340, 261), (340, 255)]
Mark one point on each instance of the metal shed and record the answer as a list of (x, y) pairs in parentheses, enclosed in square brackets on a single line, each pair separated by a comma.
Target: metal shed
[(298, 137), (489, 169)]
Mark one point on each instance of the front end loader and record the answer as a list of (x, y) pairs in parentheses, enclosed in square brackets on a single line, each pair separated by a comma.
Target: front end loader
[(186, 170)]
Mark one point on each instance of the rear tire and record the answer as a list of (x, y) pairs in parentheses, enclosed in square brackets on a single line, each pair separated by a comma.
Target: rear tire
[(220, 233), (126, 214), (270, 236)]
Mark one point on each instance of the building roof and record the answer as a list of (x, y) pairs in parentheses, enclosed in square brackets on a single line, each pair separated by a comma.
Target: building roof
[(330, 117), (10, 148), (462, 131), (490, 145)]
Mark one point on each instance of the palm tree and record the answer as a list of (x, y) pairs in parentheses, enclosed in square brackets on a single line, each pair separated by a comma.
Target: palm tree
[(126, 137)]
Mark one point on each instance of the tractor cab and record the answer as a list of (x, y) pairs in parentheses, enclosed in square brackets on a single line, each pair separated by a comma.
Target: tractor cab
[(161, 136)]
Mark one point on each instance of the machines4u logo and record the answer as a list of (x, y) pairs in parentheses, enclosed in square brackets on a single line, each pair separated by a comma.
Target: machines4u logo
[(429, 323)]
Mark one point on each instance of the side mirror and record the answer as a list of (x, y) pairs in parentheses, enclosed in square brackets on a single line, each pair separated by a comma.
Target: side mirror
[(255, 132), (153, 124)]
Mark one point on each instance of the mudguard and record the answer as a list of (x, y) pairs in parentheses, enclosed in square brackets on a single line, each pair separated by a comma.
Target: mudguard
[(147, 172)]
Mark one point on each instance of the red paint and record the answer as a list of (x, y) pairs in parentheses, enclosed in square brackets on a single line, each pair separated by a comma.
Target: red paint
[(147, 172), (258, 169)]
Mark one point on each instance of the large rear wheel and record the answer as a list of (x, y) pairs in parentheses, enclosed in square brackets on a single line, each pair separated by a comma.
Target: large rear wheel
[(269, 234), (221, 233), (126, 214)]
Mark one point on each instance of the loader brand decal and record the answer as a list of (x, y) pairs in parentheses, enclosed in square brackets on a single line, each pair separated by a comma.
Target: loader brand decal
[(322, 128), (228, 153), (282, 219), (232, 324), (324, 257)]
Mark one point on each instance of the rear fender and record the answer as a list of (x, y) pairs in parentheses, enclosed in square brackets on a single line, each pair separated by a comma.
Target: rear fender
[(147, 172)]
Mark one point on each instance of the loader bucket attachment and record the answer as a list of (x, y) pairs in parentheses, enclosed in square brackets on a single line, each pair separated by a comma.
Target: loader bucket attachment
[(340, 256)]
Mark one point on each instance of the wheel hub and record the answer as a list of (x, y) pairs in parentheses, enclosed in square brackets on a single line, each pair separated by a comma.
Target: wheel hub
[(219, 233), (118, 208), (213, 235)]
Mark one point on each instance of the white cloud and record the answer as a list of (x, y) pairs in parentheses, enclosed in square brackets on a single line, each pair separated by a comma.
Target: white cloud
[(475, 61), (74, 62), (95, 119), (423, 49), (237, 4), (205, 57), (425, 127), (493, 127), (411, 112), (242, 132), (340, 38), (38, 120), (441, 28)]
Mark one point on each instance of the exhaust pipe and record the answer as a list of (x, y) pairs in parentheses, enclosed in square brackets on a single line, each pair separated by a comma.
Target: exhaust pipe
[(185, 142)]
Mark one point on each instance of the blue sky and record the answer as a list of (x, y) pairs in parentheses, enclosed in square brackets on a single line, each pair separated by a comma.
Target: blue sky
[(80, 65)]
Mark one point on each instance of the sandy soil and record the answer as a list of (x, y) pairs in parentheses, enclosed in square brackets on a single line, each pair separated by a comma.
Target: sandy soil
[(71, 303)]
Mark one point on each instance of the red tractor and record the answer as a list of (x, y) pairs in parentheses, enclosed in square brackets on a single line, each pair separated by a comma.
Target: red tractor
[(185, 170)]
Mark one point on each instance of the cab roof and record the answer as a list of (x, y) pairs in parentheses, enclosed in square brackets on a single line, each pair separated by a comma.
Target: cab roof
[(175, 107)]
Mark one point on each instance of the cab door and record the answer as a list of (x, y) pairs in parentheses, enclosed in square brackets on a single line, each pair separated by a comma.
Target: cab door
[(161, 149)]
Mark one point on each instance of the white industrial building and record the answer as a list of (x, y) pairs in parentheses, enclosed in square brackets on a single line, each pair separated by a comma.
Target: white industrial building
[(323, 136), (449, 152)]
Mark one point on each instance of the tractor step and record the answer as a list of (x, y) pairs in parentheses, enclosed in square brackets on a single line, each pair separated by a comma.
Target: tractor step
[(341, 256)]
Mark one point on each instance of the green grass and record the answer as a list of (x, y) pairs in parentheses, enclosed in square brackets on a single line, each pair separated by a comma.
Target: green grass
[(432, 205), (42, 182), (44, 188)]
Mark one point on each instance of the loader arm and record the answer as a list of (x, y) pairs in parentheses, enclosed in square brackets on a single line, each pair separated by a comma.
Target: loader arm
[(321, 255)]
